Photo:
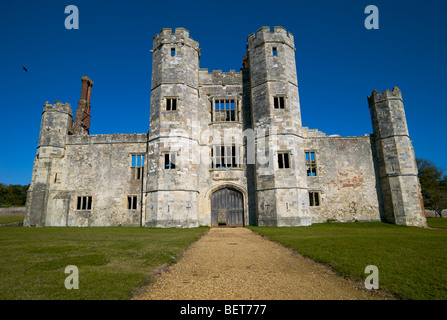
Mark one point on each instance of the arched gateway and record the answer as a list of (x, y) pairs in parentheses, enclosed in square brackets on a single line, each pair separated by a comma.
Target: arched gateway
[(227, 208)]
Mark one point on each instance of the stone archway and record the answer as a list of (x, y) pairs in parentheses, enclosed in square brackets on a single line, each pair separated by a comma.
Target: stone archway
[(227, 208)]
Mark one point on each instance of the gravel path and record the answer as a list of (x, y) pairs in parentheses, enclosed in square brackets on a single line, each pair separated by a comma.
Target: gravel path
[(238, 264)]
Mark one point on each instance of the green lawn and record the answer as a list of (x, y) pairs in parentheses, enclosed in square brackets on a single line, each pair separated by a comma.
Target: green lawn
[(112, 261), (437, 222), (412, 262), (10, 218)]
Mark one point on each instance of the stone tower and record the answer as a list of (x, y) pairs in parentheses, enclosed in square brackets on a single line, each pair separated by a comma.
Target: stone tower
[(54, 127), (402, 200), (172, 184), (280, 178)]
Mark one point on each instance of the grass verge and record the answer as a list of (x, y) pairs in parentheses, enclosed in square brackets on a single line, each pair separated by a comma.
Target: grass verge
[(11, 218), (437, 223), (412, 262), (112, 261)]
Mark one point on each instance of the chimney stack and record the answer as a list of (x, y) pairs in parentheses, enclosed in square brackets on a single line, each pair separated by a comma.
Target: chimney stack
[(82, 119)]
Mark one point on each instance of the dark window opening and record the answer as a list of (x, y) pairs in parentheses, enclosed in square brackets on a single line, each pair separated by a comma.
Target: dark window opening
[(132, 202), (283, 160), (314, 199), (278, 102), (275, 52), (172, 52), (169, 160), (139, 173), (84, 203), (171, 104)]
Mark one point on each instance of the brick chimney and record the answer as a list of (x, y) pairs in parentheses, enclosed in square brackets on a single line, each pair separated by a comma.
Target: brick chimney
[(82, 118)]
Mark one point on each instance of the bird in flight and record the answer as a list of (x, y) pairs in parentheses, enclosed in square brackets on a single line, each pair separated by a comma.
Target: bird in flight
[(25, 69)]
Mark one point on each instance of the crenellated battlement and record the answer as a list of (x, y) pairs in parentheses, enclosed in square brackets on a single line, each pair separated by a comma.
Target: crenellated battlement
[(180, 36), (264, 34), (386, 95), (217, 77), (58, 107)]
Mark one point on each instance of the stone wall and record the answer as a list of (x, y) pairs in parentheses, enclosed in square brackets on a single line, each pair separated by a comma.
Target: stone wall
[(98, 166), (13, 210), (433, 214), (346, 178)]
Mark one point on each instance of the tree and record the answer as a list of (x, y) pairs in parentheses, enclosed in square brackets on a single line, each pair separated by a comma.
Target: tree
[(433, 184), (13, 195)]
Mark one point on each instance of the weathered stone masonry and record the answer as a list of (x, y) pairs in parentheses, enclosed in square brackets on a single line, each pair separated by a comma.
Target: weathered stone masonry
[(223, 148)]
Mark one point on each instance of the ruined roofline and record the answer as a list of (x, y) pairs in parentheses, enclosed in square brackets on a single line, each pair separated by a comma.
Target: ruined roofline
[(315, 133), (114, 138), (337, 136)]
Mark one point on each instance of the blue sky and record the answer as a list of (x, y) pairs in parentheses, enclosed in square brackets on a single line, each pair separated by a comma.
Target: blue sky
[(339, 63)]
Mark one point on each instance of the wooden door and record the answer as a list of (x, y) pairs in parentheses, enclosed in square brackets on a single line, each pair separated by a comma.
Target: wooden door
[(227, 208)]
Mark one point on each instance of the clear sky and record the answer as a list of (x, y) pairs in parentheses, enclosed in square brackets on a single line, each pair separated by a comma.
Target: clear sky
[(339, 63)]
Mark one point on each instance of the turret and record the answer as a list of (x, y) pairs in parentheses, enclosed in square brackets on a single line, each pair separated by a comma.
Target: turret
[(55, 124), (54, 127), (175, 58), (281, 184), (172, 148), (401, 195)]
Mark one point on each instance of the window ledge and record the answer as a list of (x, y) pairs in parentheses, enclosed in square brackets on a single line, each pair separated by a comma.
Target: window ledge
[(225, 122), (227, 169)]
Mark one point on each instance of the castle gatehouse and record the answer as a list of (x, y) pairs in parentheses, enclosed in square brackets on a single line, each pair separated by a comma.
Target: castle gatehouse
[(223, 148)]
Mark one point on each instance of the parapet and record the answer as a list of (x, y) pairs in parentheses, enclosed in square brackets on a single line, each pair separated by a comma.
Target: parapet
[(217, 77), (180, 36), (58, 107), (264, 34), (107, 139), (386, 95)]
